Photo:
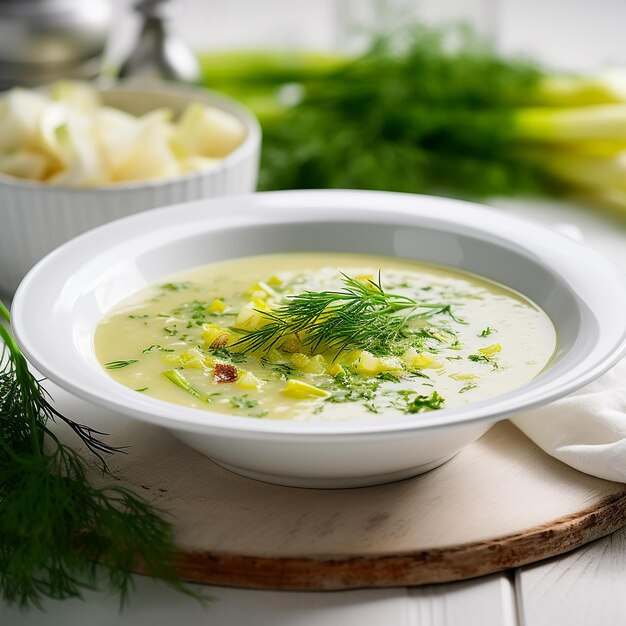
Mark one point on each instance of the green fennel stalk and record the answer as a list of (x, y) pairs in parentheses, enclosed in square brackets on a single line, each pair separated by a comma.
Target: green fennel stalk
[(59, 534), (416, 117), (430, 111)]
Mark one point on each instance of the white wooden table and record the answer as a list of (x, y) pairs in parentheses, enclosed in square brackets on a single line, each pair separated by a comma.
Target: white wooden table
[(583, 588)]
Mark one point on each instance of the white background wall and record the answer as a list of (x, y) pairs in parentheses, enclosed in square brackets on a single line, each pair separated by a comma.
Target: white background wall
[(570, 34)]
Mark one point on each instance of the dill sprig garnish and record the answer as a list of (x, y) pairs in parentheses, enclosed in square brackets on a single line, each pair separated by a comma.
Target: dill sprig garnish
[(483, 358), (59, 534), (361, 316)]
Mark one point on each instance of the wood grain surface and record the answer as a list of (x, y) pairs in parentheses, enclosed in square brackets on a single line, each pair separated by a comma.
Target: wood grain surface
[(582, 588), (500, 503)]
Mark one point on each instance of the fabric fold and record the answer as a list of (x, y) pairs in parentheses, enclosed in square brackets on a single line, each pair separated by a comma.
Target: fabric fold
[(587, 429)]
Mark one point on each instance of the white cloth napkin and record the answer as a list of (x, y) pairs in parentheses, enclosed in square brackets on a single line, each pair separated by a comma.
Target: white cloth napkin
[(586, 429)]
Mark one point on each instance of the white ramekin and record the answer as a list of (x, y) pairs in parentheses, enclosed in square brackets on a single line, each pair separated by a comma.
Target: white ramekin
[(35, 218)]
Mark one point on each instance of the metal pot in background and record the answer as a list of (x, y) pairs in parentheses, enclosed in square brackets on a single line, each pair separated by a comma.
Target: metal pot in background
[(44, 40), (158, 55)]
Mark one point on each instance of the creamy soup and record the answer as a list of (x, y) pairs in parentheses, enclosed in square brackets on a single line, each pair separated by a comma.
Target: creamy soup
[(324, 337)]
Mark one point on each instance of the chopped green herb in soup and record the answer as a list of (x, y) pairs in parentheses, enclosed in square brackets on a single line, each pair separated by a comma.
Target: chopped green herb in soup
[(324, 337)]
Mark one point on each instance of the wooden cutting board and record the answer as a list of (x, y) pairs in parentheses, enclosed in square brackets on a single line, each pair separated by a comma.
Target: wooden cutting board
[(500, 503)]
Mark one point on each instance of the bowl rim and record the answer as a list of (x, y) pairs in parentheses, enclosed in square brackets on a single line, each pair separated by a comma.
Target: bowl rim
[(291, 207), (250, 144)]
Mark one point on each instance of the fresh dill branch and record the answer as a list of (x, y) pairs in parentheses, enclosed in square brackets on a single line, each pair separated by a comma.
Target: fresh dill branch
[(362, 316), (420, 403), (59, 534), (414, 113)]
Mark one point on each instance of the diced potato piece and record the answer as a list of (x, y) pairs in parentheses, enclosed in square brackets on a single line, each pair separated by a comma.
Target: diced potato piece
[(422, 360), (209, 131), (317, 365), (116, 132), (151, 156), (25, 164), (79, 95), (174, 359), (196, 363), (194, 163), (291, 344), (215, 335), (193, 358), (261, 291), (68, 138), (335, 370), (217, 306), (248, 318), (494, 348), (251, 316), (464, 376), (368, 364), (258, 295), (409, 356), (426, 361), (274, 355), (247, 380), (365, 278), (299, 360), (349, 358), (261, 305), (303, 391), (311, 365), (20, 112), (390, 364)]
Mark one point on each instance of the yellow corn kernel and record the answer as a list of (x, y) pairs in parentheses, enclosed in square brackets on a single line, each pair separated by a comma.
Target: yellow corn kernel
[(247, 380), (335, 370), (368, 364), (301, 390), (274, 281), (462, 376), (217, 306), (494, 348), (299, 360)]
